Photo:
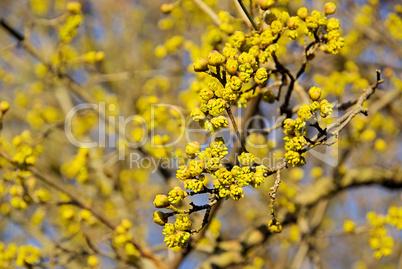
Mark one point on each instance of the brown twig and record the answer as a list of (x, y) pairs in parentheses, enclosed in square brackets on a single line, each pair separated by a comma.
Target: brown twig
[(239, 136)]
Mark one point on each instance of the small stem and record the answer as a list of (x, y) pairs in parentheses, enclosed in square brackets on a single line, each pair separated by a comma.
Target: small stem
[(272, 194), (239, 137), (207, 10), (318, 127), (248, 15)]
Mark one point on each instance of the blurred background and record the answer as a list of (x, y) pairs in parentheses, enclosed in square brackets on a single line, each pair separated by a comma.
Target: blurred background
[(128, 55)]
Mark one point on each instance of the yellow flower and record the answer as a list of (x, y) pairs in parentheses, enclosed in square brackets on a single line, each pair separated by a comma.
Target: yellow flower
[(246, 159), (349, 226), (329, 8), (274, 227), (182, 223), (176, 195), (266, 4), (160, 218), (302, 13), (314, 93), (304, 112), (161, 201), (200, 65), (215, 58), (261, 75)]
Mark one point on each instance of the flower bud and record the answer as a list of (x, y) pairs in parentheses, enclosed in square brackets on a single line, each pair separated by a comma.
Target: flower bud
[(215, 58), (274, 227), (269, 97), (315, 106), (176, 195), (100, 55), (231, 66), (325, 108), (193, 148), (314, 93), (235, 83), (74, 7), (182, 223), (206, 94), (160, 218), (293, 23), (4, 106), (329, 8), (167, 8), (157, 140), (302, 13), (161, 201), (332, 24), (266, 4), (349, 226), (93, 261), (200, 65), (246, 58), (30, 160), (120, 229), (261, 75), (197, 114)]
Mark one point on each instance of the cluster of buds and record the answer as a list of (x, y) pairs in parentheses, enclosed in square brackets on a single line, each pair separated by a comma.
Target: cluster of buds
[(234, 67), (334, 41), (380, 241), (26, 154), (77, 168), (74, 19), (294, 129), (228, 182), (122, 238), (177, 234)]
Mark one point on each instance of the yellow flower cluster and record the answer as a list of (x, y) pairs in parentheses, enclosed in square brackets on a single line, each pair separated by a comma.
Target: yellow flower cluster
[(77, 168), (213, 104), (236, 65), (158, 147), (24, 256), (7, 255), (334, 41), (177, 234), (27, 255), (176, 195), (380, 242), (239, 61), (227, 182), (294, 131), (74, 19), (26, 153), (394, 24), (122, 238), (93, 56), (171, 46)]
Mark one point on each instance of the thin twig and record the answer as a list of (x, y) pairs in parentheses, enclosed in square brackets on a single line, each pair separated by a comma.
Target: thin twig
[(239, 136), (248, 15), (208, 11)]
